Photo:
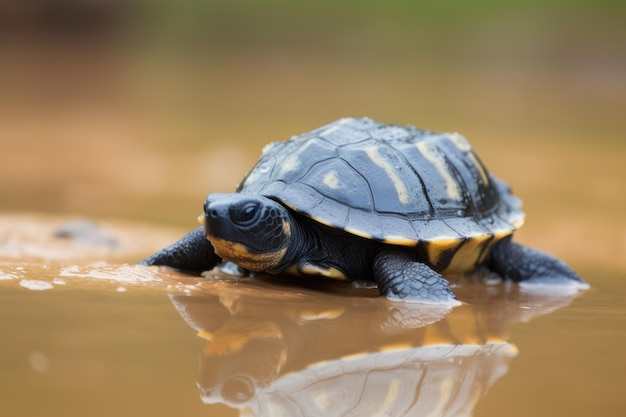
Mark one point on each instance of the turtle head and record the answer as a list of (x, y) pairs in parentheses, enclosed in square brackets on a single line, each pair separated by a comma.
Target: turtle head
[(249, 230)]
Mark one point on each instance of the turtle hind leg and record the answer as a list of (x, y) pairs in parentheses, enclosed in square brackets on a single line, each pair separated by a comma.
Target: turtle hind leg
[(399, 277), (193, 253), (519, 263)]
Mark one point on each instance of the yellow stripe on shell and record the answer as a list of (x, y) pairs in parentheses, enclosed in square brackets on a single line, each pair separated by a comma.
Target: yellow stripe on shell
[(311, 269), (437, 246), (479, 167), (484, 251), (290, 164), (357, 232), (467, 255), (399, 240), (403, 194), (428, 151), (499, 234), (331, 180), (463, 145), (460, 142)]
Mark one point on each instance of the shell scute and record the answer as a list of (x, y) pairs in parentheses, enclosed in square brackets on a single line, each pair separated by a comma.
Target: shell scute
[(337, 180), (343, 132), (363, 224), (391, 183)]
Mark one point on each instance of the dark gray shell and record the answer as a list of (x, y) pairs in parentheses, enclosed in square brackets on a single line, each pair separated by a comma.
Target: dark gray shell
[(390, 183)]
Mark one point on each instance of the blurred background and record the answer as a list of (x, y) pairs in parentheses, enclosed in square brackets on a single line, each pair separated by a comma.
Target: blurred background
[(138, 109)]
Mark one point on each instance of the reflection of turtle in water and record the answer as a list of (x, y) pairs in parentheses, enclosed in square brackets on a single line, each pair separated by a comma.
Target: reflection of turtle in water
[(340, 357), (358, 199)]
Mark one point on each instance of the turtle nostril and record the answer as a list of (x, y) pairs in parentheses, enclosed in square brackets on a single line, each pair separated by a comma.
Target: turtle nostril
[(213, 213)]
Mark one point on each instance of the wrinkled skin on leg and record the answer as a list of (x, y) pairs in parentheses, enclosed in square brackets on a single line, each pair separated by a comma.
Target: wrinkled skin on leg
[(518, 263), (399, 277), (193, 253)]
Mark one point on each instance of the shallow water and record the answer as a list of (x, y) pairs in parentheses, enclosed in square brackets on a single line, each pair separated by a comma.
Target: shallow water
[(87, 332)]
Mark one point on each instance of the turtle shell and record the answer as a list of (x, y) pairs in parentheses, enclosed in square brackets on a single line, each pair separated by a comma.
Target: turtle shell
[(395, 184)]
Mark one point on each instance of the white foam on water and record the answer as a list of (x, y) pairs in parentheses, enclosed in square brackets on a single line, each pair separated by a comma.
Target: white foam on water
[(36, 285), (5, 276), (120, 273)]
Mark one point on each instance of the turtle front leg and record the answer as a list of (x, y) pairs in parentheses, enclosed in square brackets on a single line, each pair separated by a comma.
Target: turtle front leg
[(193, 253), (519, 263), (399, 277)]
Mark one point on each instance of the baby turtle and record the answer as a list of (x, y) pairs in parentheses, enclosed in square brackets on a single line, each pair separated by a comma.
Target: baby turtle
[(363, 200)]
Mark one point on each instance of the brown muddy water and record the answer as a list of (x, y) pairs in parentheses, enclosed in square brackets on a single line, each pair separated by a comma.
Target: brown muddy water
[(87, 332)]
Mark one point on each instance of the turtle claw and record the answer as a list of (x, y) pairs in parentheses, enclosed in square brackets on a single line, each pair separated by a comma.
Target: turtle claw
[(400, 278)]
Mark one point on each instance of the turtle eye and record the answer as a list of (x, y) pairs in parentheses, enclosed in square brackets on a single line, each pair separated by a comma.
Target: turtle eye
[(246, 214)]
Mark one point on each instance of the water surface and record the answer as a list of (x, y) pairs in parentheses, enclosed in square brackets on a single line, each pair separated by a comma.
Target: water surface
[(87, 333)]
